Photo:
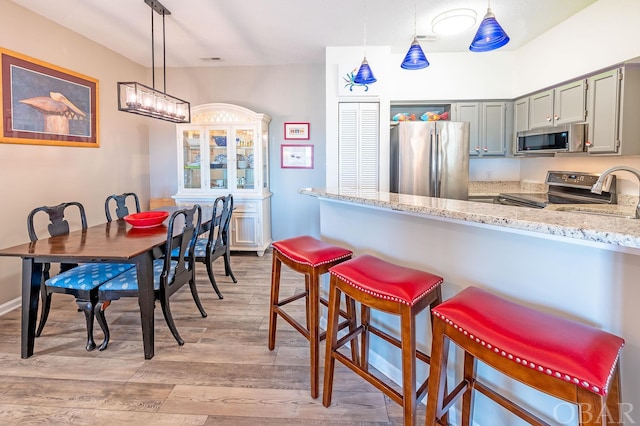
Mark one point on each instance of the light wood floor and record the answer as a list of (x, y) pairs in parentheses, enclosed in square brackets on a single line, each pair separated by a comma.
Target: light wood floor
[(223, 375)]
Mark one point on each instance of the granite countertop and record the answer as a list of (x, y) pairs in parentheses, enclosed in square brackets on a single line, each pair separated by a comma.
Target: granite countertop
[(614, 228)]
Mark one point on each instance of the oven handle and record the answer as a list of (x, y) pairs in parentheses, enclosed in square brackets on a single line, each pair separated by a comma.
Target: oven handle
[(510, 202)]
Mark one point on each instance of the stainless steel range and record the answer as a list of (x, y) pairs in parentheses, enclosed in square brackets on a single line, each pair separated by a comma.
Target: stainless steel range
[(564, 188)]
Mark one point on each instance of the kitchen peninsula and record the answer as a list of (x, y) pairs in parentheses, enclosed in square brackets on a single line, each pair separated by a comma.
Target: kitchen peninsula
[(579, 266)]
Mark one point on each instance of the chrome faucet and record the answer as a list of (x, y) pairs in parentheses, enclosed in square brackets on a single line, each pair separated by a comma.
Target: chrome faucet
[(597, 187)]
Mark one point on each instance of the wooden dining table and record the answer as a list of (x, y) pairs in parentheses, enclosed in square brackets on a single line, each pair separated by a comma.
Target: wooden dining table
[(111, 242)]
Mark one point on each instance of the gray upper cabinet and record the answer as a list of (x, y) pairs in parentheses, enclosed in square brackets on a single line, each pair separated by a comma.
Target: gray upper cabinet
[(521, 114), (488, 126), (541, 109), (561, 105), (569, 103), (614, 107), (470, 111)]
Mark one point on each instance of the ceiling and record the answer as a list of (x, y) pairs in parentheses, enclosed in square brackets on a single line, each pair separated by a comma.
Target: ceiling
[(282, 32)]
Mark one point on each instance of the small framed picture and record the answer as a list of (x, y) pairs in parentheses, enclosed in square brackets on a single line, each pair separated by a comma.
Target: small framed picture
[(296, 156), (296, 131)]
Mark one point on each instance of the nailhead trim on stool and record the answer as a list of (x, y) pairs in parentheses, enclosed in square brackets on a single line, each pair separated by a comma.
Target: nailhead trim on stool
[(311, 257), (384, 280), (389, 288), (563, 349)]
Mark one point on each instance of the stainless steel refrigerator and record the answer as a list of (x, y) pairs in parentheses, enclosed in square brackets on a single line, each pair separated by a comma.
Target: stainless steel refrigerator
[(430, 158)]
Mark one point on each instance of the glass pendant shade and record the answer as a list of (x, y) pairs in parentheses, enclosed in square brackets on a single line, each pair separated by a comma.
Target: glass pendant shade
[(415, 58), (365, 75), (490, 35)]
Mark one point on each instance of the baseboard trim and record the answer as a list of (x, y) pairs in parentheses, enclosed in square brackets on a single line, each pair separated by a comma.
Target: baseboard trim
[(10, 305)]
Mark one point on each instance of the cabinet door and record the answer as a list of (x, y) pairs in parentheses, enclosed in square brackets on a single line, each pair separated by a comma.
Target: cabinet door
[(569, 103), (541, 109), (244, 231), (191, 155), (245, 224), (245, 161), (358, 128), (218, 141), (604, 106), (521, 114), (471, 112), (494, 139)]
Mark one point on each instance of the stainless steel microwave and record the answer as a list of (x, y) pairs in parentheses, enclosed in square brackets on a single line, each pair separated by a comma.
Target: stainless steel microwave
[(565, 138)]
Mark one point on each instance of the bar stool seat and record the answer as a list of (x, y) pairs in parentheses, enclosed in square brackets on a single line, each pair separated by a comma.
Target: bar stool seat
[(561, 357), (389, 288), (311, 257)]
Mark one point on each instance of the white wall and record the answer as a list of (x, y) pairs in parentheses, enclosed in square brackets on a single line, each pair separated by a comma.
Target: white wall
[(34, 175), (597, 37)]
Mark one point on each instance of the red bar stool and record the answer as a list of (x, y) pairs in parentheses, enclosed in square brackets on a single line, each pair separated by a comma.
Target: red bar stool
[(388, 288), (563, 358), (311, 257)]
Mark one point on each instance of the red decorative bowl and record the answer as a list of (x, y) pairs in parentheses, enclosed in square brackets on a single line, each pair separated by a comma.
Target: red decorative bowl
[(146, 219)]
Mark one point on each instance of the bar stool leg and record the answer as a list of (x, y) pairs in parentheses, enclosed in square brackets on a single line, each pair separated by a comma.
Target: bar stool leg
[(408, 333), (307, 278), (276, 267), (437, 373), (365, 318), (467, 399), (613, 398), (331, 341), (313, 302)]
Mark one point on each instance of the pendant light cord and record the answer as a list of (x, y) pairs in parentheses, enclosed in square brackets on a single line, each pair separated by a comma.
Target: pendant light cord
[(153, 56), (415, 18), (365, 28)]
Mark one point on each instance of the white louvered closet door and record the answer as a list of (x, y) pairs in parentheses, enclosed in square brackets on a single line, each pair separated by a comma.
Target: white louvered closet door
[(358, 146)]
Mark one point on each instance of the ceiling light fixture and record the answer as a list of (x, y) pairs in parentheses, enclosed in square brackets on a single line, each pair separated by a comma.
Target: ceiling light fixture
[(490, 35), (454, 21), (139, 99), (365, 75), (415, 58)]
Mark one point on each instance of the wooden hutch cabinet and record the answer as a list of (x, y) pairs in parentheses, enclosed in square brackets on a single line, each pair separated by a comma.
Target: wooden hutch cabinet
[(225, 150)]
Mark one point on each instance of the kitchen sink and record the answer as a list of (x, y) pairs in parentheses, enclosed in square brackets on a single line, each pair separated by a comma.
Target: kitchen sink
[(608, 210)]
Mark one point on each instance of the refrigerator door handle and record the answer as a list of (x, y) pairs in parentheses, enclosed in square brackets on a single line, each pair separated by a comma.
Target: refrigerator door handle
[(435, 158)]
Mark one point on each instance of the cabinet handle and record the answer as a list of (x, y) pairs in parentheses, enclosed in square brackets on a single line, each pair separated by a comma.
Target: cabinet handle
[(588, 143), (555, 117), (477, 149), (485, 149), (548, 118)]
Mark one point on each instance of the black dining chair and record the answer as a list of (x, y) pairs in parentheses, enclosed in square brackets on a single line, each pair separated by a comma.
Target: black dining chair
[(122, 209), (169, 274), (216, 243), (81, 281)]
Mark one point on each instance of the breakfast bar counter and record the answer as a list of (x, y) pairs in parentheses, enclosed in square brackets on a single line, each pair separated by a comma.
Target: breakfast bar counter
[(580, 266)]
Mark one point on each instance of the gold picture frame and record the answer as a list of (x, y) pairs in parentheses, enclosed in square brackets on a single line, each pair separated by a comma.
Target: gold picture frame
[(43, 104)]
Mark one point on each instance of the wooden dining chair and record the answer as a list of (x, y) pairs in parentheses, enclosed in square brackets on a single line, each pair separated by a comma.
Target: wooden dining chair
[(169, 274), (216, 243), (122, 209), (58, 225), (81, 281)]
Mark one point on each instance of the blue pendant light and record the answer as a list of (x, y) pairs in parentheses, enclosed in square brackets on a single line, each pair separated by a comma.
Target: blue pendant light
[(490, 35), (365, 75), (415, 58)]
